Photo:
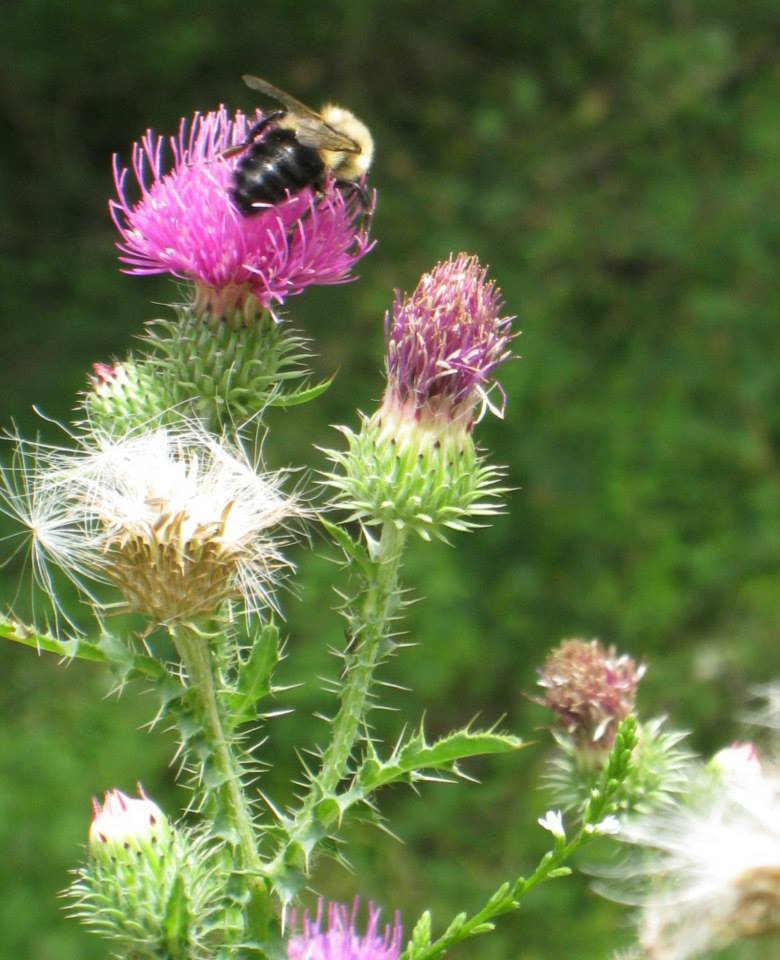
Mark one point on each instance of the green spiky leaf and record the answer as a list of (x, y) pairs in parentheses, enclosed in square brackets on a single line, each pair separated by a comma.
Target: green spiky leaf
[(415, 754), (254, 677), (353, 550), (421, 935), (76, 648), (304, 394), (108, 649)]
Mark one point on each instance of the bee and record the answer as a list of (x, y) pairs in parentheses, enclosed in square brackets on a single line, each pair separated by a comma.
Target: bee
[(294, 147)]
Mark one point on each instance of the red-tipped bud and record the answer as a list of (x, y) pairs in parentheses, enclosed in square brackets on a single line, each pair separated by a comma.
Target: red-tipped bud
[(125, 823)]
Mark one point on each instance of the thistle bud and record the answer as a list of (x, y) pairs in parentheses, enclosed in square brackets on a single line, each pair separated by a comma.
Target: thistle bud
[(150, 888), (414, 463), (124, 396)]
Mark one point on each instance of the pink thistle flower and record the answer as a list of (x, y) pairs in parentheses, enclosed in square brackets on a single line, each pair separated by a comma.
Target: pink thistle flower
[(341, 941), (186, 224), (445, 341)]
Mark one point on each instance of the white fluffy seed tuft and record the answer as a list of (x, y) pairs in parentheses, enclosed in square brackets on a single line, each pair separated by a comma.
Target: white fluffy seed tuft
[(178, 519)]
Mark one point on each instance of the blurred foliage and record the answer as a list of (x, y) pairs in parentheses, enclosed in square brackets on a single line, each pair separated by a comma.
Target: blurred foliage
[(617, 165)]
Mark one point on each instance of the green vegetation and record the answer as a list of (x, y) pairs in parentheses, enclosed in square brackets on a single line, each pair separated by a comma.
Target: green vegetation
[(617, 167)]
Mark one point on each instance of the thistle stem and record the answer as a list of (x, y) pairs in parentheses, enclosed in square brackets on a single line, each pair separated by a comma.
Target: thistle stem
[(198, 661), (370, 634), (369, 642)]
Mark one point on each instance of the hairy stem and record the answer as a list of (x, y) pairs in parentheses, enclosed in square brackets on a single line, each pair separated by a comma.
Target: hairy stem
[(370, 635), (193, 648), (369, 641)]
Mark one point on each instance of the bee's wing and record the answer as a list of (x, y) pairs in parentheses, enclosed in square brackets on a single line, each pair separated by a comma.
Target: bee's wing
[(311, 130), (293, 105), (314, 132)]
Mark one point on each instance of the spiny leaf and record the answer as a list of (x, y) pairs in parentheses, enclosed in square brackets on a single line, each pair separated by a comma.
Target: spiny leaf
[(126, 662), (352, 549), (417, 754), (76, 648), (302, 395), (254, 677), (421, 935), (108, 649)]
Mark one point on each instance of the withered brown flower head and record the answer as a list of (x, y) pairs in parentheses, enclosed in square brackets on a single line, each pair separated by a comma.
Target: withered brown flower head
[(590, 689)]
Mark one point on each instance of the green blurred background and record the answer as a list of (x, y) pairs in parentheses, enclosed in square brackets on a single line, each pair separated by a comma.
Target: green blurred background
[(617, 165)]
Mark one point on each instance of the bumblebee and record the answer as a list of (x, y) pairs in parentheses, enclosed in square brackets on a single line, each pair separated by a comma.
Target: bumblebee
[(294, 147)]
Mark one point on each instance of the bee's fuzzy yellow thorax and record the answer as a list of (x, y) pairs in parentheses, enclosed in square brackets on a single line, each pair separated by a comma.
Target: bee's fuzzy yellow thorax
[(348, 166)]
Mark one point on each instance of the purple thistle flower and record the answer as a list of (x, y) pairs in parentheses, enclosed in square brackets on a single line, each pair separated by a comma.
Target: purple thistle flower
[(341, 941), (186, 224), (445, 340)]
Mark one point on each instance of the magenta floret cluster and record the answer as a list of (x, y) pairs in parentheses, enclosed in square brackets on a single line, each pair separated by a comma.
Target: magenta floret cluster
[(185, 223), (336, 937), (446, 339)]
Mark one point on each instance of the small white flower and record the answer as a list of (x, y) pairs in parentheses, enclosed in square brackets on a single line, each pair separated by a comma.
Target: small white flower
[(608, 827), (712, 868), (553, 822)]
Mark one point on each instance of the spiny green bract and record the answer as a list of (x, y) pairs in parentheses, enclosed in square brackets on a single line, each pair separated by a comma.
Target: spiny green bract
[(419, 481), (658, 773), (221, 372), (227, 371)]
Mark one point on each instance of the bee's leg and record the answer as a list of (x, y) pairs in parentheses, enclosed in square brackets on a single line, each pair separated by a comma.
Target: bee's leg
[(256, 129), (357, 189)]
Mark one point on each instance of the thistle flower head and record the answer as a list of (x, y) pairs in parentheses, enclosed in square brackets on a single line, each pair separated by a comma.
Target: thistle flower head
[(590, 689), (414, 462), (445, 341), (182, 521), (337, 937), (125, 823), (186, 224), (712, 869), (176, 518)]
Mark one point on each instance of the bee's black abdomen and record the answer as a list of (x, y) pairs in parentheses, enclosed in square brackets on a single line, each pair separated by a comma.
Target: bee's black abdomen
[(272, 168)]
